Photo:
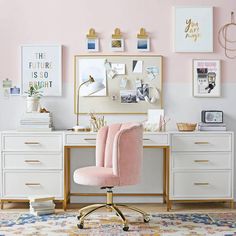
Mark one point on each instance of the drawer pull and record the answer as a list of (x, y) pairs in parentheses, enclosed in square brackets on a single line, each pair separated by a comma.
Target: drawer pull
[(146, 139), (201, 143), (32, 143), (200, 161), (32, 161), (90, 139), (202, 184), (32, 184)]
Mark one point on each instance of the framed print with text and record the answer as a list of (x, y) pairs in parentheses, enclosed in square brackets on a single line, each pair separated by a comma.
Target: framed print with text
[(41, 65), (193, 29)]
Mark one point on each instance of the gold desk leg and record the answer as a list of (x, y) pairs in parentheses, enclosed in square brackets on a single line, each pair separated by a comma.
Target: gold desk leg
[(167, 174), (66, 177), (169, 205), (164, 175)]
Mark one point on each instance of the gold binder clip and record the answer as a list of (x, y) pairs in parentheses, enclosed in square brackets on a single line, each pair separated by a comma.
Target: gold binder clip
[(142, 34), (117, 34), (92, 34)]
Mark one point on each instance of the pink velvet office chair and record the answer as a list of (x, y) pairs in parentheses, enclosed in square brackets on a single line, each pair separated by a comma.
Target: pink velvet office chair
[(119, 152)]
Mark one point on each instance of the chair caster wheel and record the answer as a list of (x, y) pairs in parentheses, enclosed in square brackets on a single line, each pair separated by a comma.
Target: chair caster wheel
[(126, 228), (146, 218), (78, 217), (80, 226)]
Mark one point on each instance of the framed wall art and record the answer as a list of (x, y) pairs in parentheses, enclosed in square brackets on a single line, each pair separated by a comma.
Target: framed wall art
[(193, 29), (132, 84), (41, 65), (206, 78)]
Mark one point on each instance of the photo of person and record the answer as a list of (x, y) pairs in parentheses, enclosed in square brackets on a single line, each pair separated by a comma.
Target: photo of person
[(211, 81), (128, 96), (142, 92)]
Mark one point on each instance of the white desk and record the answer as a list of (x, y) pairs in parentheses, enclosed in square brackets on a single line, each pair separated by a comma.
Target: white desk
[(88, 140), (198, 166)]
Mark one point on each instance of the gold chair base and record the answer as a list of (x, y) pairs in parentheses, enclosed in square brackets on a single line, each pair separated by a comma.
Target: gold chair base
[(86, 211)]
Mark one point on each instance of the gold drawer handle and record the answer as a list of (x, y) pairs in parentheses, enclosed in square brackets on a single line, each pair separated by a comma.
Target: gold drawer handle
[(199, 161), (90, 139), (201, 143), (32, 161), (32, 184), (202, 184), (32, 143)]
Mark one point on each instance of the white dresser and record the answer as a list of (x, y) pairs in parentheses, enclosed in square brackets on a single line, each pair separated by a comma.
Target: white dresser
[(31, 164), (201, 166)]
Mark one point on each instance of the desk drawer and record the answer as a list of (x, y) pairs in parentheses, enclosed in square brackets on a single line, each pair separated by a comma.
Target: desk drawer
[(21, 185), (158, 139), (197, 185), (201, 160), (83, 139), (32, 142), (32, 161), (201, 142)]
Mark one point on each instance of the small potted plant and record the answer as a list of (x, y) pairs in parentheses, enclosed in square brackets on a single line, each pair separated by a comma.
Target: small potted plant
[(33, 96)]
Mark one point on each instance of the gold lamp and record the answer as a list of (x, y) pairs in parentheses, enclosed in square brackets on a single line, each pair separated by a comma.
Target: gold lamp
[(92, 87)]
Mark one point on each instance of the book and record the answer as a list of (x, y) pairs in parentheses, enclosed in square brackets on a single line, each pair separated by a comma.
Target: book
[(36, 115), (41, 209), (35, 126), (26, 121), (43, 212), (41, 198), (22, 129), (212, 128), (42, 204), (212, 124)]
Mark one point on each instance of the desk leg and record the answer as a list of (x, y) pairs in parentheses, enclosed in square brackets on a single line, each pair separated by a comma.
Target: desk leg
[(66, 176), (167, 157), (164, 175)]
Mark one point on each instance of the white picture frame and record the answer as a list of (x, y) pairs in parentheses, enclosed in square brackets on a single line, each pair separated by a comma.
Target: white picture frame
[(42, 65), (206, 78), (92, 44), (117, 45), (193, 29), (143, 44)]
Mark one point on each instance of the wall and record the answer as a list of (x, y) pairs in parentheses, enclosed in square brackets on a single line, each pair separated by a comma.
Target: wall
[(67, 22)]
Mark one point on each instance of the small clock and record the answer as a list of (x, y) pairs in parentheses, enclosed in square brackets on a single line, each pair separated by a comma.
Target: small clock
[(210, 116)]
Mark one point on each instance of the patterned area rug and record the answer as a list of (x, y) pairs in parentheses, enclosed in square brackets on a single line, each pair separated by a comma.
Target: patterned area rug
[(104, 224)]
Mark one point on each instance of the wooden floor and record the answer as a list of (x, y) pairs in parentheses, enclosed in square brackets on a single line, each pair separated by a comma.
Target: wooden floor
[(148, 207)]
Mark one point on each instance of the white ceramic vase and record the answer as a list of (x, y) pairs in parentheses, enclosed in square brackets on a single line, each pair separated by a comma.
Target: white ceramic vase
[(32, 104)]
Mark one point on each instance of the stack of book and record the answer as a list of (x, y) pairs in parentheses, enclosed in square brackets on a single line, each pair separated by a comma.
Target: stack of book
[(211, 126), (42, 205), (36, 121)]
